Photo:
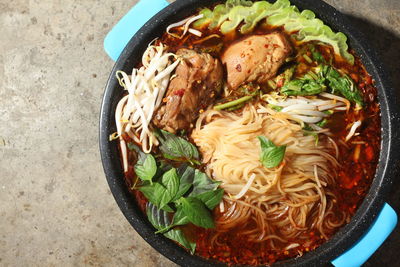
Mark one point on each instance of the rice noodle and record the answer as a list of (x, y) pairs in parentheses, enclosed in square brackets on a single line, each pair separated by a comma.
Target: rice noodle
[(146, 88), (274, 204)]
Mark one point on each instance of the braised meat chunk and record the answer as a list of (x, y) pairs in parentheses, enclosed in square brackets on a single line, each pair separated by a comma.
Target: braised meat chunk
[(256, 58), (198, 80)]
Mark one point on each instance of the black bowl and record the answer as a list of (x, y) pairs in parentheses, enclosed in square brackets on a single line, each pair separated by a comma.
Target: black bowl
[(366, 213)]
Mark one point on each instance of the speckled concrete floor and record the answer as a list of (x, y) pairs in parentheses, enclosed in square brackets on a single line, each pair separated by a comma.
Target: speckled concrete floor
[(56, 207)]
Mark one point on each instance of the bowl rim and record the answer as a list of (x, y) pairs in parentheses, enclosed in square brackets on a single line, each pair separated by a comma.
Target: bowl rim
[(367, 211)]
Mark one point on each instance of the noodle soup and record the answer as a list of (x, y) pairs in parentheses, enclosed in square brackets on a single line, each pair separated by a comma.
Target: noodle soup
[(250, 132)]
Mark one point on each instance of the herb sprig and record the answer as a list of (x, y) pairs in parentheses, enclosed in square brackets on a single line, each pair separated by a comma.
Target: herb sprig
[(177, 196), (271, 155)]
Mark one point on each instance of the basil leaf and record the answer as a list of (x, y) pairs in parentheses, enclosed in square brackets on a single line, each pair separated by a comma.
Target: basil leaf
[(196, 212), (160, 194), (211, 198), (180, 217), (159, 219), (153, 192), (178, 236), (186, 175), (170, 181), (271, 155), (202, 183), (177, 148), (146, 167)]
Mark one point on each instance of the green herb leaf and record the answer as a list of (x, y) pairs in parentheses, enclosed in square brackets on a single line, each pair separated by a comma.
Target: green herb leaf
[(186, 174), (177, 148), (153, 192), (202, 184), (180, 217), (160, 194), (196, 212), (343, 85), (303, 87), (160, 220), (146, 167), (170, 181), (211, 198), (271, 155)]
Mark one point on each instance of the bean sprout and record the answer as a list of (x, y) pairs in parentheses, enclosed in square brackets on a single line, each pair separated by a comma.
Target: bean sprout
[(308, 110), (186, 22), (353, 129), (146, 88)]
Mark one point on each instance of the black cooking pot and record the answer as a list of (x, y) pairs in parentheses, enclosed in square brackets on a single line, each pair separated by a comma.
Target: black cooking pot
[(363, 222)]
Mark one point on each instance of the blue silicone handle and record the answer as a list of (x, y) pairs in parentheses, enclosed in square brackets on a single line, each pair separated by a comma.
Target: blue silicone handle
[(371, 241), (116, 41), (119, 36)]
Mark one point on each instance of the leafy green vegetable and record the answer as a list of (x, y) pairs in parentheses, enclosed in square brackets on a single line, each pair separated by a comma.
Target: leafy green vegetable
[(304, 26), (324, 77), (187, 193), (201, 184), (186, 174), (303, 87), (160, 220), (344, 85), (171, 182), (146, 167), (196, 212), (211, 198), (179, 219), (160, 194), (271, 155), (177, 148), (155, 194)]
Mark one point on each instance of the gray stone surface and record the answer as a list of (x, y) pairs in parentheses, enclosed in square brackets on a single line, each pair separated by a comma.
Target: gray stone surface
[(56, 208)]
